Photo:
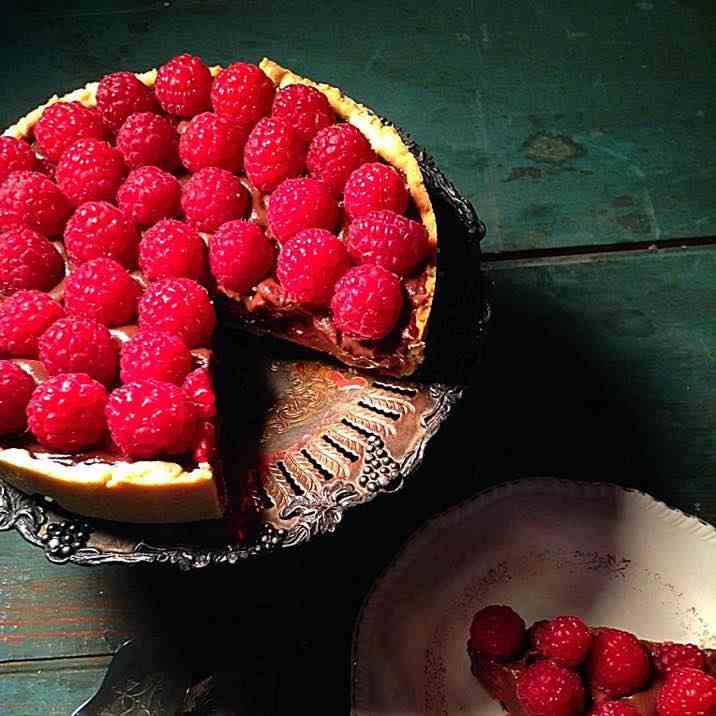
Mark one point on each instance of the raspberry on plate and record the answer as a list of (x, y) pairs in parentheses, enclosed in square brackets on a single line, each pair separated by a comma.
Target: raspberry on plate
[(668, 656), (566, 640), (90, 170), (180, 306), (149, 194), (80, 345), (204, 446), (62, 124), (16, 155), (172, 248), (374, 186), (198, 388), (99, 229), (210, 141), (274, 152), (614, 708), (150, 418), (120, 94), (240, 255), (16, 387), (33, 200), (183, 86), (66, 413), (28, 261), (299, 204), (103, 290), (367, 302), (388, 239), (310, 265), (155, 355), (687, 692), (242, 93), (305, 108), (24, 317), (336, 152), (497, 632), (547, 689), (618, 664), (212, 197), (148, 139)]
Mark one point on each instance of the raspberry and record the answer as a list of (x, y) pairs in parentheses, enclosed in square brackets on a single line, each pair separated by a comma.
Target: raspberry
[(310, 264), (687, 692), (15, 156), (121, 94), (299, 204), (213, 196), (155, 355), (497, 632), (198, 388), (335, 152), (147, 138), (546, 689), (183, 86), (148, 195), (388, 239), (240, 255), (80, 345), (101, 289), (367, 302), (180, 306), (242, 93), (24, 317), (618, 664), (16, 388), (33, 200), (149, 418), (28, 261), (374, 186), (669, 656), (274, 152), (614, 708), (210, 141), (172, 248), (204, 447), (99, 229), (90, 170), (62, 124), (305, 108), (66, 413), (565, 640)]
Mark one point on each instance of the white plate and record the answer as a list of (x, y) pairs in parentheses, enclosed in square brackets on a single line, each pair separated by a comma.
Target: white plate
[(546, 547)]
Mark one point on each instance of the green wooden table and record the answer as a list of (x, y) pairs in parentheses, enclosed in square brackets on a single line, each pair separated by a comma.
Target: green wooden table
[(584, 133)]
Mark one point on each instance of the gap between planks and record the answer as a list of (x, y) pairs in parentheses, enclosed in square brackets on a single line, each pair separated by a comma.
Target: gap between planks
[(55, 663)]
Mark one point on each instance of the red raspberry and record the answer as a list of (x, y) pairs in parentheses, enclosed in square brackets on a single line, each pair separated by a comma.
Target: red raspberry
[(148, 138), (669, 656), (242, 93), (99, 229), (299, 204), (614, 708), (62, 124), (183, 86), (155, 355), (336, 152), (24, 317), (618, 664), (388, 239), (240, 255), (103, 290), (180, 306), (90, 170), (305, 108), (213, 196), (148, 195), (547, 689), (210, 141), (310, 265), (33, 200), (204, 447), (199, 390), (687, 692), (80, 345), (149, 418), (367, 302), (16, 387), (121, 94), (565, 640), (66, 413), (15, 156), (172, 248), (374, 186), (28, 261), (274, 152), (497, 632)]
